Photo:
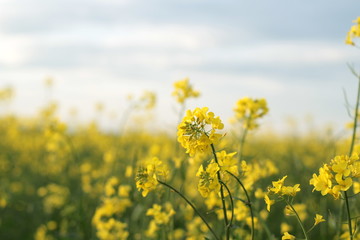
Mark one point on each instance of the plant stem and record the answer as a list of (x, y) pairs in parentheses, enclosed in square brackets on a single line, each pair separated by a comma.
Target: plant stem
[(221, 194), (352, 147), (232, 210), (191, 205), (242, 143), (248, 204), (355, 117), (298, 218), (348, 214)]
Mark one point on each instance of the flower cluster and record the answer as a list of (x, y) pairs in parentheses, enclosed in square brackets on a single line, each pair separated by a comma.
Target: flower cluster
[(248, 110), (208, 179), (161, 217), (183, 90), (147, 175), (354, 32), (54, 197), (114, 204), (337, 176), (198, 130), (280, 190)]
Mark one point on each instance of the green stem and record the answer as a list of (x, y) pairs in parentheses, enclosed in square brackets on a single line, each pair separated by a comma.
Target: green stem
[(248, 204), (232, 209), (191, 205), (348, 214), (352, 147), (242, 143), (221, 193), (355, 118), (298, 218)]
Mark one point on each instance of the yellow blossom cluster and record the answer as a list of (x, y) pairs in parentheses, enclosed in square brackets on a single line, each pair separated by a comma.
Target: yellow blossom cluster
[(353, 32), (337, 176), (161, 217), (280, 190), (248, 111), (148, 174), (209, 180), (114, 203), (54, 196), (184, 90), (198, 130)]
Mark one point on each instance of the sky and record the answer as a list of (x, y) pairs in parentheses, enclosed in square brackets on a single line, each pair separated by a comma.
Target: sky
[(290, 52)]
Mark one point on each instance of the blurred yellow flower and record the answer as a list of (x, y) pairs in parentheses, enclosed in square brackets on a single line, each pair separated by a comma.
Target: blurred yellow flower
[(183, 91), (287, 236), (318, 219)]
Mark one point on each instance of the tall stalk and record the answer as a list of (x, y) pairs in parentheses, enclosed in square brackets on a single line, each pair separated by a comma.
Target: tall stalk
[(298, 218), (248, 204), (352, 148), (192, 206), (227, 227)]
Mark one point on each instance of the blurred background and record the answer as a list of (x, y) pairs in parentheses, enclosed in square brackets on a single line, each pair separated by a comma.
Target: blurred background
[(99, 51)]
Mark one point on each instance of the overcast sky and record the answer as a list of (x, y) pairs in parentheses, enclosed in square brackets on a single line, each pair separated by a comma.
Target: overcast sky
[(290, 52)]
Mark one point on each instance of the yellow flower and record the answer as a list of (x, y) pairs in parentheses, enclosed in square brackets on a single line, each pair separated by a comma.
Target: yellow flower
[(208, 179), (287, 236), (248, 110), (161, 217), (291, 191), (197, 131), (277, 185), (183, 90), (337, 176), (268, 202), (146, 177), (227, 163), (322, 182), (318, 219), (353, 32)]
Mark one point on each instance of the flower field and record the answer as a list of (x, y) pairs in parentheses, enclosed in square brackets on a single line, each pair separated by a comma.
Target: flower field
[(210, 179)]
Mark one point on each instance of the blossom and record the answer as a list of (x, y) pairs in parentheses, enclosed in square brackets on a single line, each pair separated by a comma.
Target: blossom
[(161, 217), (318, 219), (208, 179), (198, 130), (353, 32), (146, 176), (277, 185), (337, 176), (287, 236), (227, 163), (268, 202), (248, 110), (183, 90)]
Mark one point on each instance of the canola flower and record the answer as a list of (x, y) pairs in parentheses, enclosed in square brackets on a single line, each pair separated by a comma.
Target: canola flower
[(208, 179), (198, 130), (287, 236), (114, 204), (248, 111), (147, 175), (161, 217), (338, 176), (184, 90), (354, 32)]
